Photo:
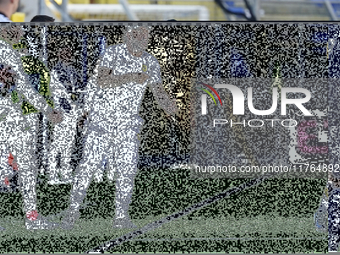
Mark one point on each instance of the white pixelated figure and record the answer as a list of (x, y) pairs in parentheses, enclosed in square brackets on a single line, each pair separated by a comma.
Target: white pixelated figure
[(17, 131), (115, 95), (64, 133)]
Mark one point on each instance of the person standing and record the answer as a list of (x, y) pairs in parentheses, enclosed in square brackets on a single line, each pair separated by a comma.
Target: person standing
[(115, 95), (63, 82), (16, 132)]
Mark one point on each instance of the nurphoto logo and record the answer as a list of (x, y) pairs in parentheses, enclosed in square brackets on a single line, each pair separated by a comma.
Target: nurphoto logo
[(238, 100), (238, 104)]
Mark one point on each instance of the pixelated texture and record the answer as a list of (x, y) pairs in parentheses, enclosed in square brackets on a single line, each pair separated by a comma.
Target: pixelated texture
[(114, 159)]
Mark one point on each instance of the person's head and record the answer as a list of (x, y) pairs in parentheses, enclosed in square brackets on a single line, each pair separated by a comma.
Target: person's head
[(136, 39), (8, 7), (42, 18)]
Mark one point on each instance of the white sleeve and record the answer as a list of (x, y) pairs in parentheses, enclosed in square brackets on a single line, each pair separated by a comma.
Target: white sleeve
[(12, 58)]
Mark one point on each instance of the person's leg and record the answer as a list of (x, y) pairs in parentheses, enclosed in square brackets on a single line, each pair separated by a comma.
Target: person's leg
[(21, 147), (321, 215), (333, 219), (108, 167), (126, 159), (68, 142), (52, 155), (40, 143), (95, 150), (63, 140), (19, 134), (6, 168), (6, 171), (111, 168), (98, 175), (32, 125)]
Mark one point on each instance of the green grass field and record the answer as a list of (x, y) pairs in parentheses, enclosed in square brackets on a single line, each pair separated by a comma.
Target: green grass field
[(225, 233), (276, 216)]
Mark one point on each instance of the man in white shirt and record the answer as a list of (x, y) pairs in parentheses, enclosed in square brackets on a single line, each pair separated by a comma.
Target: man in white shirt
[(16, 133), (113, 104), (7, 8), (64, 133)]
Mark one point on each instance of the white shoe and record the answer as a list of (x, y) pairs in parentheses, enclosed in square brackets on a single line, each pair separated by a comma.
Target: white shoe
[(40, 224)]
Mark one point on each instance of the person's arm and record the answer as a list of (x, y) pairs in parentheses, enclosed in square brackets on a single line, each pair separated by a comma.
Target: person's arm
[(107, 80), (11, 58), (23, 83), (33, 65), (161, 96), (36, 99), (163, 99)]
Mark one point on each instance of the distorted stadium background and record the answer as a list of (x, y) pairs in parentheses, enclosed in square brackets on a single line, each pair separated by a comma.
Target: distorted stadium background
[(184, 52)]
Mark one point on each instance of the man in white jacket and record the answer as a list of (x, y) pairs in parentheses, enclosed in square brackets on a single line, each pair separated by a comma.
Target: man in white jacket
[(15, 128), (113, 104)]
